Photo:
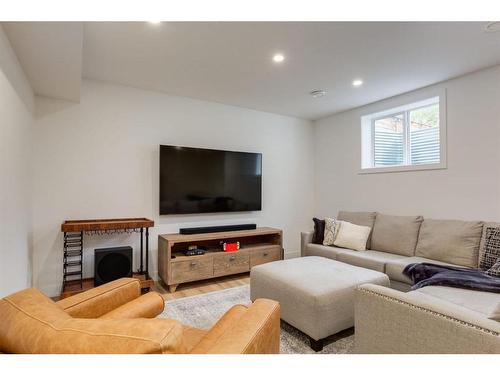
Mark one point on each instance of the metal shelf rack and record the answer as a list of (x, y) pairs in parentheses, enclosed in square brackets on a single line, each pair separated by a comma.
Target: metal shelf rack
[(73, 231)]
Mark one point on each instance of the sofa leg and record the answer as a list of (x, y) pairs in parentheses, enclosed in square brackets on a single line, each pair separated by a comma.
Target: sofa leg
[(316, 345)]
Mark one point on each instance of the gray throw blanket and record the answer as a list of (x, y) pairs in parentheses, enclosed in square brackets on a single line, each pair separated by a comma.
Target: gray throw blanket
[(426, 274)]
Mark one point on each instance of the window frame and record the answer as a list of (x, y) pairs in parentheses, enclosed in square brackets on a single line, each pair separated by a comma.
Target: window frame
[(403, 107)]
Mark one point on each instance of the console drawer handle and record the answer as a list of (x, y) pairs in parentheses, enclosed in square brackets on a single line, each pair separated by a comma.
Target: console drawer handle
[(265, 254), (193, 264), (232, 258)]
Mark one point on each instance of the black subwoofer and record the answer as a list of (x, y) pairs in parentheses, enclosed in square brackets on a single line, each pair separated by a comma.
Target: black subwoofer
[(112, 263)]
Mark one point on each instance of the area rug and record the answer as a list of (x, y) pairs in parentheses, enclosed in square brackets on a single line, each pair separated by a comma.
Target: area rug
[(204, 310)]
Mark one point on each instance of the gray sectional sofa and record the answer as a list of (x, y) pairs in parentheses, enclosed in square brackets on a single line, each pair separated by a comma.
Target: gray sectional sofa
[(433, 319)]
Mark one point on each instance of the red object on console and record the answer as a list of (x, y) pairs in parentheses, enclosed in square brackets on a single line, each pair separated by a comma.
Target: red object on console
[(230, 246)]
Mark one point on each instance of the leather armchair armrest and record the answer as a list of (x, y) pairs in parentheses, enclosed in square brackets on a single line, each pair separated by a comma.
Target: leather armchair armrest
[(101, 300), (252, 330), (149, 305), (228, 320)]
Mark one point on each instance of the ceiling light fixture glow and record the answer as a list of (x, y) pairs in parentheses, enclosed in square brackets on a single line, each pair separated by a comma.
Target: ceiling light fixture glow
[(278, 58), (154, 22), (357, 82)]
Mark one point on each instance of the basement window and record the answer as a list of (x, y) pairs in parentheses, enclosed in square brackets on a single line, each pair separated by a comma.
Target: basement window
[(405, 138)]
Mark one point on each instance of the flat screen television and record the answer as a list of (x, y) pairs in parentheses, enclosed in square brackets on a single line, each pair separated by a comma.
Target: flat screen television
[(197, 180)]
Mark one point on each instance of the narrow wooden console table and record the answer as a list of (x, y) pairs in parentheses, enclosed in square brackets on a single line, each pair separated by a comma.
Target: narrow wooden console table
[(73, 281), (257, 246)]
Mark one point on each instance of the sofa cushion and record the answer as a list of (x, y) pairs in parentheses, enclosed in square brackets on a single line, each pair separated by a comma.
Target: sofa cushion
[(352, 236), (396, 234), (330, 252), (402, 287), (394, 267), (450, 241), (481, 302), (359, 218), (374, 260)]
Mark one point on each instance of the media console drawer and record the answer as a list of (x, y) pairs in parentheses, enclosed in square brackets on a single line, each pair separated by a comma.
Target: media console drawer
[(190, 270), (262, 256), (227, 264)]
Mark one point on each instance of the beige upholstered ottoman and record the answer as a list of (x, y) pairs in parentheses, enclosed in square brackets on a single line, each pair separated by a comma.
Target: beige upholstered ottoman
[(316, 294)]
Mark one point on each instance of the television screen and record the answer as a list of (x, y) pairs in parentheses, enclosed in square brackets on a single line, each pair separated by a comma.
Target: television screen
[(196, 180)]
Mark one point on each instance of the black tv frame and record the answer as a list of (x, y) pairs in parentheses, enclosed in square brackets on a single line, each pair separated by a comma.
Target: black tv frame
[(206, 212)]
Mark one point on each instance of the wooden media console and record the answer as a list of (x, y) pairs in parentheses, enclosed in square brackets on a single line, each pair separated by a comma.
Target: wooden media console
[(257, 246)]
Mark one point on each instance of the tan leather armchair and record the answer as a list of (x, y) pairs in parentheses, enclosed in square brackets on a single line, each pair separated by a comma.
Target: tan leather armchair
[(115, 318)]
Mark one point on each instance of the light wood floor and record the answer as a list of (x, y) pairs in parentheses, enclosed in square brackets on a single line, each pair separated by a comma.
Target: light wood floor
[(200, 287)]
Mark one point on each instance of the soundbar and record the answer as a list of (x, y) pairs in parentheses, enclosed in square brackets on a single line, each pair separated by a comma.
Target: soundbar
[(220, 228)]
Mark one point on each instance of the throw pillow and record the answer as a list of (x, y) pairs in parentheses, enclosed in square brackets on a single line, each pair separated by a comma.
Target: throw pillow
[(331, 228), (495, 269), (359, 218), (352, 236), (319, 231), (491, 248)]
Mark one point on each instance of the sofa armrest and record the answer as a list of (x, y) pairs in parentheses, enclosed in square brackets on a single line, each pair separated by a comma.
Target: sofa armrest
[(305, 238), (100, 300), (242, 330), (388, 321)]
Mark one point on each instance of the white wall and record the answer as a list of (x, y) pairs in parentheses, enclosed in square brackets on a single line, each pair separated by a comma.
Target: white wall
[(16, 121), (99, 159), (468, 189)]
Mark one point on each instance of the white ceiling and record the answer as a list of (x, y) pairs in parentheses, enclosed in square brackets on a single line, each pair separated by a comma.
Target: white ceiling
[(231, 62), (50, 54)]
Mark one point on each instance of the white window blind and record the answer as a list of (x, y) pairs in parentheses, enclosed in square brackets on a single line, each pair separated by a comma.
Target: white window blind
[(424, 135), (389, 141)]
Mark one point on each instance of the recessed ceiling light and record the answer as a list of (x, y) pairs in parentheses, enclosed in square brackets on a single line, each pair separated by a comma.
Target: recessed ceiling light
[(317, 93), (357, 82), (277, 58), (492, 27)]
